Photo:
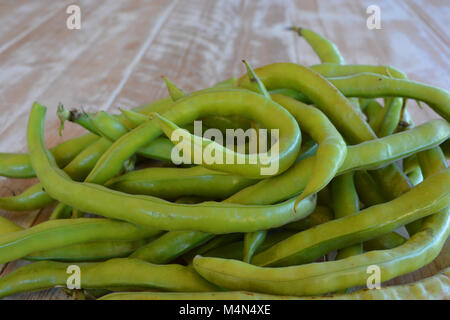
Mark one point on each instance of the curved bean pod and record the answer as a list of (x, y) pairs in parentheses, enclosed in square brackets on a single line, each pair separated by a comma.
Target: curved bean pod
[(18, 166), (330, 70), (323, 94), (426, 198), (252, 242), (431, 288), (332, 148), (149, 211), (369, 85), (320, 278), (324, 48), (367, 155), (35, 197), (188, 109)]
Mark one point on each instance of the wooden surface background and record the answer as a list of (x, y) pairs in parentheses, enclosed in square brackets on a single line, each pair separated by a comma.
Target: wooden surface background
[(123, 48)]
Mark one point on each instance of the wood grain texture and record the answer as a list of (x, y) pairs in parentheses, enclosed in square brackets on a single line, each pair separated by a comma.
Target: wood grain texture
[(124, 47)]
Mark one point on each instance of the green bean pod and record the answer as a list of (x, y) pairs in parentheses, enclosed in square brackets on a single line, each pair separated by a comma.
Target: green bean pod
[(345, 202), (18, 166), (35, 197), (117, 274), (324, 48), (388, 119), (324, 95), (252, 241), (59, 233), (332, 148), (431, 288), (320, 278), (170, 246), (430, 161), (7, 226), (172, 183), (190, 108), (90, 251), (321, 214), (332, 70), (149, 211), (235, 250), (426, 198), (369, 85), (367, 155)]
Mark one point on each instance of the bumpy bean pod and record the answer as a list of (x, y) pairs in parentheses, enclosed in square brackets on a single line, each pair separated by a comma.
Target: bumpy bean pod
[(59, 233), (115, 274), (18, 166), (172, 183), (427, 198), (369, 85), (149, 211), (432, 288), (367, 155), (324, 95)]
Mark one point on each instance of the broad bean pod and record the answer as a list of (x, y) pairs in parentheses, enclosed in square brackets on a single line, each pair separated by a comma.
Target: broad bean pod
[(149, 211), (426, 198), (172, 183), (59, 233), (431, 288), (18, 165), (370, 85), (116, 274), (345, 202), (324, 48), (170, 246), (367, 155), (320, 278), (323, 94)]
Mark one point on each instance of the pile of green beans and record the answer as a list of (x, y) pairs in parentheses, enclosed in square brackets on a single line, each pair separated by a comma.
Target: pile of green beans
[(351, 169)]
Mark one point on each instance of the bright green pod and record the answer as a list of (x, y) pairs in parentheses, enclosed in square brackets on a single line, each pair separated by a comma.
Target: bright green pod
[(431, 288), (18, 166), (367, 155), (35, 197), (320, 215), (345, 202), (368, 85), (172, 183), (90, 251), (324, 48), (426, 198), (324, 277), (149, 211), (320, 91), (59, 233), (115, 274), (170, 246)]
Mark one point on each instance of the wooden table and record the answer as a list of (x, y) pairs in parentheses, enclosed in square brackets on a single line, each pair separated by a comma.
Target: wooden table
[(123, 48)]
